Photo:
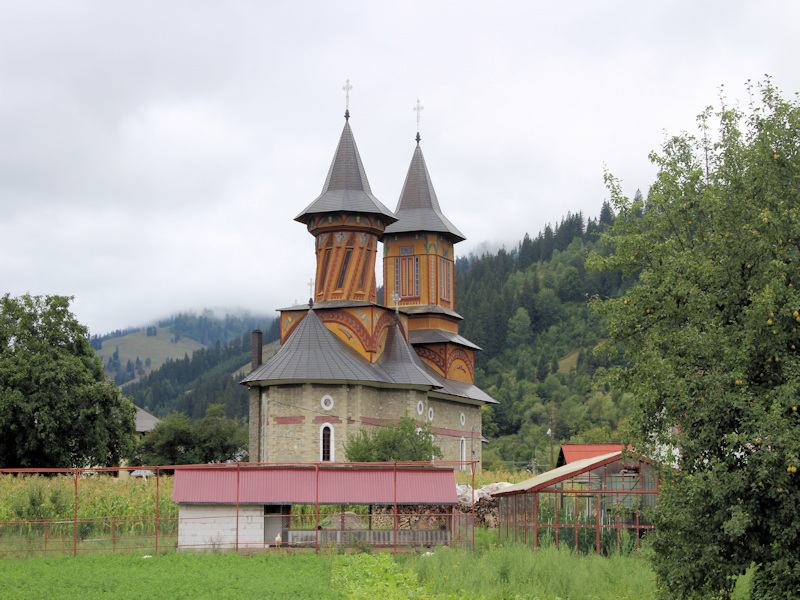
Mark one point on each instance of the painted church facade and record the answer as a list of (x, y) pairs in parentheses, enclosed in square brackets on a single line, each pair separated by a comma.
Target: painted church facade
[(347, 362)]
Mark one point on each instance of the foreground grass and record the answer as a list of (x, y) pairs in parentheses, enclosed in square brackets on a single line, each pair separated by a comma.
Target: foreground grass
[(519, 572), (510, 572), (187, 576)]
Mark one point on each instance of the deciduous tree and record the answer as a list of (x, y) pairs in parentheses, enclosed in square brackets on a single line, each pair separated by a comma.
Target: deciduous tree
[(712, 331), (403, 442), (178, 441), (57, 409)]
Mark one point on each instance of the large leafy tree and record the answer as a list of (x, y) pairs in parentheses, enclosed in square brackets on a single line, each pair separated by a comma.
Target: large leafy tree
[(57, 409), (178, 441), (403, 442), (711, 332)]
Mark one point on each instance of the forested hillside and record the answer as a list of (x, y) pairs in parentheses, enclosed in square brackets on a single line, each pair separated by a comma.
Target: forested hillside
[(529, 311), (185, 363), (206, 377), (130, 354)]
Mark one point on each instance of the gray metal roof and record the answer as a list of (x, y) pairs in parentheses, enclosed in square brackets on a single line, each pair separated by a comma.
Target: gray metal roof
[(418, 207), (438, 336), (461, 389), (346, 187), (312, 352), (543, 480), (401, 362), (145, 421), (429, 309)]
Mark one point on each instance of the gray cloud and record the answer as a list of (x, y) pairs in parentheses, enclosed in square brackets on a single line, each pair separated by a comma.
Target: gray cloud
[(154, 154)]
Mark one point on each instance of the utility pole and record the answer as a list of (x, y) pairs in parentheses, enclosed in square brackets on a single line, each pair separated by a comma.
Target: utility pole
[(552, 430)]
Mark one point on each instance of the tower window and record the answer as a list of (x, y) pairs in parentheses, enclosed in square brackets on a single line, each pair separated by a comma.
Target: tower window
[(345, 263), (367, 254), (326, 257), (406, 277), (445, 279)]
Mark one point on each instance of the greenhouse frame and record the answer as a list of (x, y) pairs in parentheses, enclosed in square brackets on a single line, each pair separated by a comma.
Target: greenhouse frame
[(597, 504)]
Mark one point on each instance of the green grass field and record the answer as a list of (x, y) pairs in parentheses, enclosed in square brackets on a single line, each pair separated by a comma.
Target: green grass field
[(491, 572)]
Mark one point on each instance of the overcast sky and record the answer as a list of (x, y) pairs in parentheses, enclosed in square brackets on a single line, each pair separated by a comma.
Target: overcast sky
[(154, 154)]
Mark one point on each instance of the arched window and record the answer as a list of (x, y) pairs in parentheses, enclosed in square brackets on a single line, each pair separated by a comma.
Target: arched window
[(462, 454), (326, 447)]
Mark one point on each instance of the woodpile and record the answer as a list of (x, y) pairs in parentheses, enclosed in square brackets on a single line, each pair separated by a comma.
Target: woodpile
[(416, 517), (486, 512)]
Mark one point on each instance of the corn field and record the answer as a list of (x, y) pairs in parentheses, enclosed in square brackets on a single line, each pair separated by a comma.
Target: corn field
[(39, 511)]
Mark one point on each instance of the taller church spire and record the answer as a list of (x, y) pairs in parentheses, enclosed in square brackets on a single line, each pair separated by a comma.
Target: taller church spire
[(346, 221)]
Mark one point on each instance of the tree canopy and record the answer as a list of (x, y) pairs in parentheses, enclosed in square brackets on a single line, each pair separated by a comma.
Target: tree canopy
[(57, 409), (711, 332), (403, 442), (178, 441)]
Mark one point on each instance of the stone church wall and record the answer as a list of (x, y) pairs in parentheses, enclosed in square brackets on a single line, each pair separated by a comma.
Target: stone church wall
[(286, 421)]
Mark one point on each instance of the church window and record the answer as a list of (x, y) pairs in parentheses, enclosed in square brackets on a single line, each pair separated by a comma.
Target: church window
[(430, 414), (406, 276), (363, 279), (345, 263), (326, 258), (326, 450), (326, 402), (420, 407), (463, 419), (445, 279)]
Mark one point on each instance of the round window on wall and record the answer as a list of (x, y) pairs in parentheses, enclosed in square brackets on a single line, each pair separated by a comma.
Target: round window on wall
[(326, 402), (463, 419), (420, 407), (430, 414)]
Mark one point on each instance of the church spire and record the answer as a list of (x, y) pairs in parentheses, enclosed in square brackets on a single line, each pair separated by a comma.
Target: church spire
[(418, 208), (346, 188), (346, 219)]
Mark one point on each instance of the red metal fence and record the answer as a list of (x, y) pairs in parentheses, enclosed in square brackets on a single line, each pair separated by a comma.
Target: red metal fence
[(72, 511)]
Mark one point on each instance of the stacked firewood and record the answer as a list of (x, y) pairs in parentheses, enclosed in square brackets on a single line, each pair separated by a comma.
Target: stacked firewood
[(486, 511)]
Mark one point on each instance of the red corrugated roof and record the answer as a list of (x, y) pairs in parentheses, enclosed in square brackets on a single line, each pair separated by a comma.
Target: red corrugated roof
[(573, 452), (307, 485)]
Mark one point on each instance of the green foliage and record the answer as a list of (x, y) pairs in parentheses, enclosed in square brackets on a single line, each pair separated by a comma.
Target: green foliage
[(532, 319), (375, 577), (57, 409), (403, 442), (712, 334), (517, 571), (39, 502), (178, 441)]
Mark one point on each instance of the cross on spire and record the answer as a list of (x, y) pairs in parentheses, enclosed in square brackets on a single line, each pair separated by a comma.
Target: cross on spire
[(418, 108), (347, 87), (396, 299), (311, 287)]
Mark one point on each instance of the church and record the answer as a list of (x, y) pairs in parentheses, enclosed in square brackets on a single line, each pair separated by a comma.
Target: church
[(347, 362)]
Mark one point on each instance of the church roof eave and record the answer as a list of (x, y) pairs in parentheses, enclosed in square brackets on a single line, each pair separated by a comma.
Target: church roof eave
[(439, 336)]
